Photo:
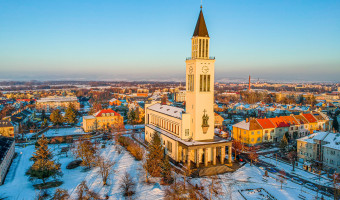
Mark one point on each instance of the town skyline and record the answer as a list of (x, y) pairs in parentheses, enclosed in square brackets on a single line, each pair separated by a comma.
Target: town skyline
[(271, 41)]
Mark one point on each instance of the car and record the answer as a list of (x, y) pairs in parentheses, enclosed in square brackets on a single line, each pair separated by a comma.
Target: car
[(297, 180), (311, 186), (272, 170)]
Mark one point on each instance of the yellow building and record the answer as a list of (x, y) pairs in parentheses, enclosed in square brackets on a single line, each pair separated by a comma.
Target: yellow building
[(103, 120), (218, 120), (188, 135), (56, 102), (6, 128), (248, 132)]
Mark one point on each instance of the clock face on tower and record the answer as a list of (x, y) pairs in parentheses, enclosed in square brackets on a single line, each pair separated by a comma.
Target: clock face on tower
[(191, 70), (205, 69)]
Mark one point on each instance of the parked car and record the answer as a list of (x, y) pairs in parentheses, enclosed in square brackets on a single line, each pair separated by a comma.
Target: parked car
[(272, 170), (311, 186)]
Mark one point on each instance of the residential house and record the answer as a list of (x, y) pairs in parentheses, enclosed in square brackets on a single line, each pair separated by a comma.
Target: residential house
[(102, 120)]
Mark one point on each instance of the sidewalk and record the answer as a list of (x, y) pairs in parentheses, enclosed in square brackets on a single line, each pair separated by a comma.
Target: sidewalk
[(303, 174)]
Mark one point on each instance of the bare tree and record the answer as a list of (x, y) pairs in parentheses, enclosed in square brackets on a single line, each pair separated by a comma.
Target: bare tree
[(105, 168), (253, 157), (86, 151), (84, 193), (215, 187), (145, 167), (61, 194), (127, 185)]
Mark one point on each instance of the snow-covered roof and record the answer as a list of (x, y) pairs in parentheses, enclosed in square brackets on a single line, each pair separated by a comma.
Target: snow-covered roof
[(57, 98), (167, 110), (89, 117)]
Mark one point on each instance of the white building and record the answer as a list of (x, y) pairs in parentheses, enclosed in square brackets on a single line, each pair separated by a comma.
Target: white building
[(188, 135), (323, 147), (6, 156)]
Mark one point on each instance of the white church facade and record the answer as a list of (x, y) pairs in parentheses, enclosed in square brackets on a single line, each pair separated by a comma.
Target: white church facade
[(188, 134)]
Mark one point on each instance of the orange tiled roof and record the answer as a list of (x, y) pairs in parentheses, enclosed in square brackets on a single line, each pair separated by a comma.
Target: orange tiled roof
[(99, 113), (279, 122), (310, 118), (290, 120), (253, 125), (265, 123), (300, 119)]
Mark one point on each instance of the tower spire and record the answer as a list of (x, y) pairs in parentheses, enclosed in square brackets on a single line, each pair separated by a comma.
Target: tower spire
[(201, 29)]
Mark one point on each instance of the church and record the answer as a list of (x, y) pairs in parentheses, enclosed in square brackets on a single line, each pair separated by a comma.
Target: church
[(188, 134)]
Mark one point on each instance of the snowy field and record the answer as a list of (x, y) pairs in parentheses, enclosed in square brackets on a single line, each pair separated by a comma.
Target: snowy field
[(73, 177), (248, 180), (63, 132)]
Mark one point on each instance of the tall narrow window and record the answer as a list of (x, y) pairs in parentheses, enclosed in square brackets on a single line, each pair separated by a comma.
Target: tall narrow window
[(206, 48), (204, 83), (201, 83), (200, 47), (203, 48), (208, 83), (191, 83)]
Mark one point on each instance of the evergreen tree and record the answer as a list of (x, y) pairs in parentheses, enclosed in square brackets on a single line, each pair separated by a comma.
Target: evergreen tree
[(44, 166), (71, 114), (336, 123), (166, 170), (155, 155), (43, 115), (56, 117), (283, 143), (132, 116)]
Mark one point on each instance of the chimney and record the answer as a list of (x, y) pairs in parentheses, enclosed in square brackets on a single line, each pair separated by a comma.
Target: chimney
[(164, 100), (249, 84), (247, 120)]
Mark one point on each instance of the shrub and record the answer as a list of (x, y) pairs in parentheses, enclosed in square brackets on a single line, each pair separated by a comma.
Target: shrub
[(130, 145), (74, 164)]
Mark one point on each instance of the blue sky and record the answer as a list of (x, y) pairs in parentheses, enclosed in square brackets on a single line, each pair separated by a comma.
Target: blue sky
[(149, 39)]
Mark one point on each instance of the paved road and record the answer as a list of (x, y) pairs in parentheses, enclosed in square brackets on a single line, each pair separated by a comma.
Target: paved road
[(273, 169)]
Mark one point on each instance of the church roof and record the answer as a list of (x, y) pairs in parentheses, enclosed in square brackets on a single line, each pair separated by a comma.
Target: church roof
[(201, 29), (167, 110)]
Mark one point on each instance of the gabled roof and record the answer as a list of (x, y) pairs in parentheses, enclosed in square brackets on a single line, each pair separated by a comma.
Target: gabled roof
[(290, 120), (167, 110), (318, 116), (201, 29), (251, 125), (310, 118), (279, 122), (300, 119), (265, 123), (105, 111)]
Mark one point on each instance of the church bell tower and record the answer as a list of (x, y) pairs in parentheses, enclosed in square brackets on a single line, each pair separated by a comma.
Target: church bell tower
[(200, 72)]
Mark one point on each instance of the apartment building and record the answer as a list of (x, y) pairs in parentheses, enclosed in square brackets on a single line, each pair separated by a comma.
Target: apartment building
[(6, 156), (321, 147)]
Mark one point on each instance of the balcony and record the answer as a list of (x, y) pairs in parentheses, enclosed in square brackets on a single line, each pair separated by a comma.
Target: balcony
[(210, 58)]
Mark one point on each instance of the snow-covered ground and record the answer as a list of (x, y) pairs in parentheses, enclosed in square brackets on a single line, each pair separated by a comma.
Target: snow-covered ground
[(63, 132), (251, 177), (17, 185), (298, 171), (137, 126)]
